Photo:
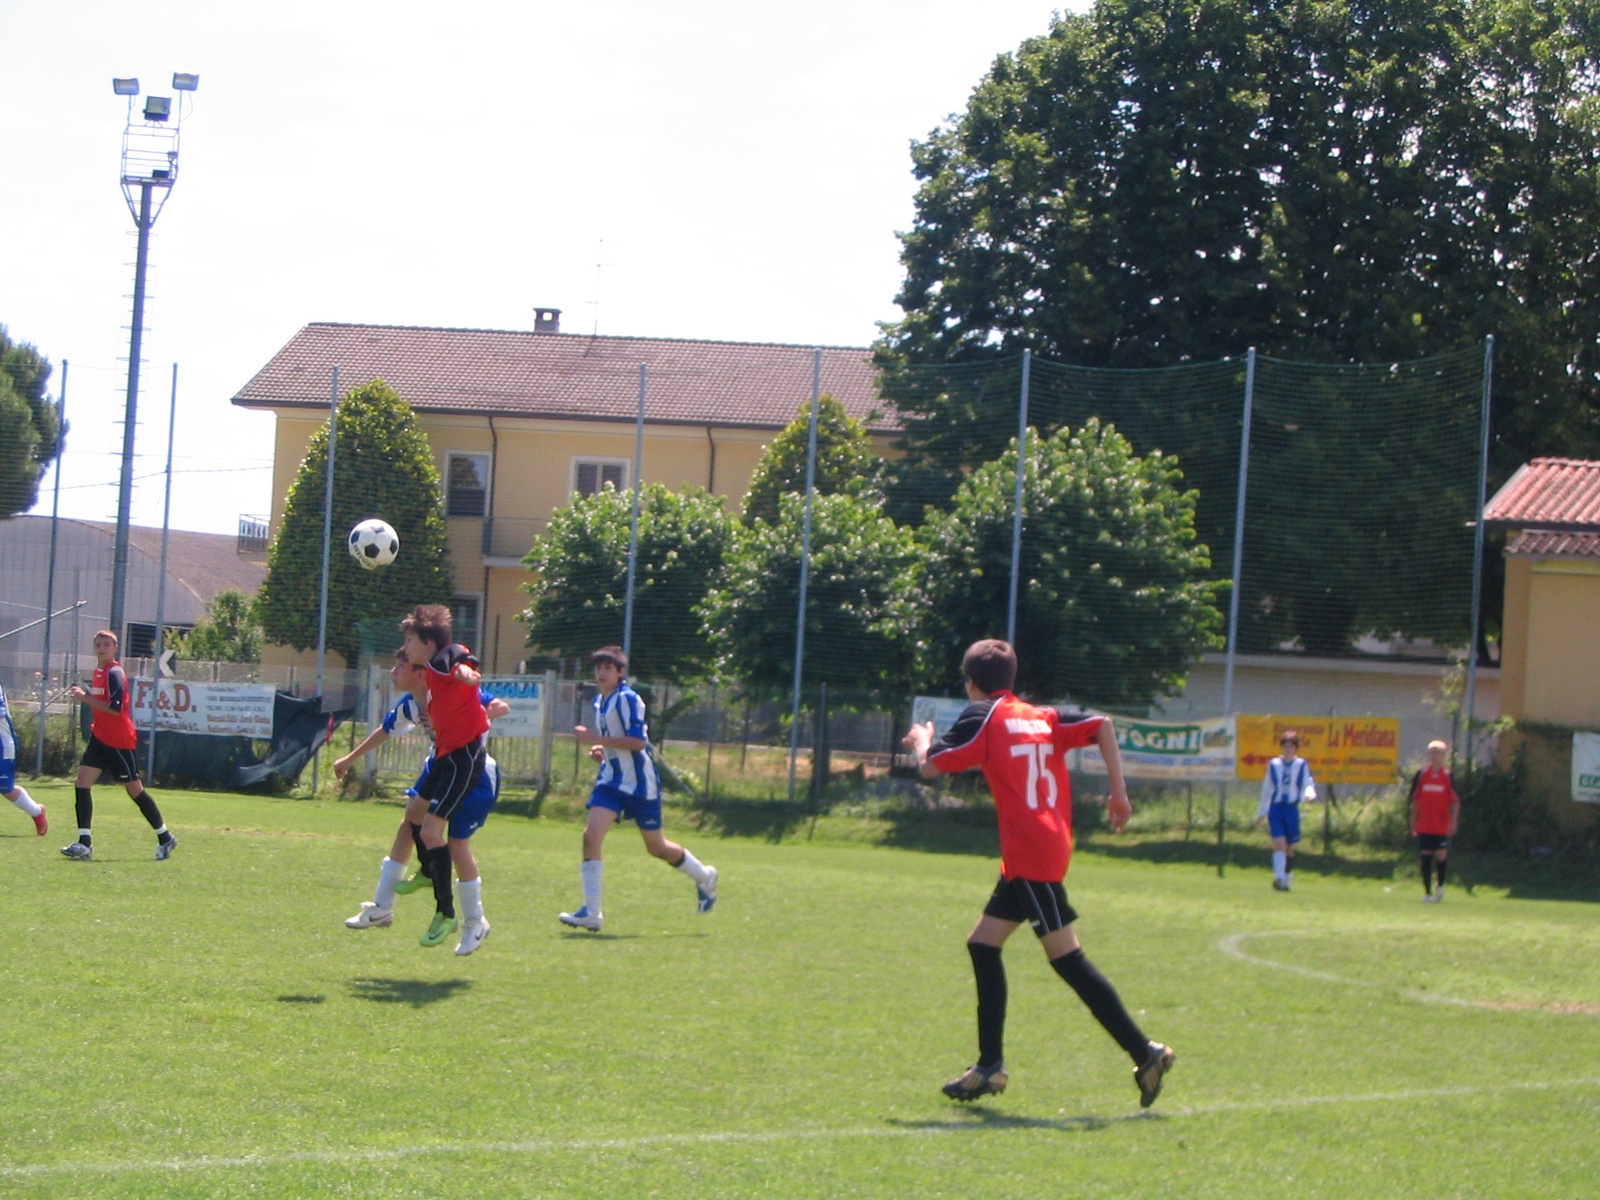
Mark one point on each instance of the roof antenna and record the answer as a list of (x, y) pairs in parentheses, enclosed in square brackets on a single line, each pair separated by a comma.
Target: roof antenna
[(600, 263)]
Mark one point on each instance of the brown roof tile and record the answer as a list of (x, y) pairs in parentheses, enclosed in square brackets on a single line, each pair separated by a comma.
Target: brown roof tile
[(564, 375), (1561, 494), (1538, 543)]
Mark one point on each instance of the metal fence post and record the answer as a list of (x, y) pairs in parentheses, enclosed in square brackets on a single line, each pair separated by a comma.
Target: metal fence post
[(805, 564), (1477, 544), (1016, 507), (1238, 531)]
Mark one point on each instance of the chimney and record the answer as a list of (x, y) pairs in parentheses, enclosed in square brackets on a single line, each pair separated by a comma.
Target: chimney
[(547, 320)]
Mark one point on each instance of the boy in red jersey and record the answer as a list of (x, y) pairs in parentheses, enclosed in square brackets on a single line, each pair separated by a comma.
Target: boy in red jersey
[(459, 747), (1435, 808), (112, 742), (1022, 750)]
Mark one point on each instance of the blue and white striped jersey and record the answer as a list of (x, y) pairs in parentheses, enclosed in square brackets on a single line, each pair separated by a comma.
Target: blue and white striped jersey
[(1286, 783), (633, 772), (8, 732), (408, 715)]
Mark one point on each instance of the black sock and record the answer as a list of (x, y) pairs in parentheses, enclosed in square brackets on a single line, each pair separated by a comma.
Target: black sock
[(84, 802), (1095, 990), (438, 860), (991, 976), (422, 851), (147, 806), (1427, 872), (1438, 865)]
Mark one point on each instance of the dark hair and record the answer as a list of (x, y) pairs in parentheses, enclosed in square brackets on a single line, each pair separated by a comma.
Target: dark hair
[(1288, 735), (612, 655), (430, 622), (991, 665)]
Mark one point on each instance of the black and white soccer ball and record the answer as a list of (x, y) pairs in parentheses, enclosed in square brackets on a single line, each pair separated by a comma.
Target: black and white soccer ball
[(373, 544)]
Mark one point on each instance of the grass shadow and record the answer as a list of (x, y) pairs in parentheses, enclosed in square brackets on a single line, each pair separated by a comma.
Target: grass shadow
[(769, 820), (979, 1117), (418, 993), (302, 999)]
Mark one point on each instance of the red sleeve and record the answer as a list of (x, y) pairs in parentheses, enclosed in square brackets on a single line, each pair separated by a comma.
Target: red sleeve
[(1076, 729)]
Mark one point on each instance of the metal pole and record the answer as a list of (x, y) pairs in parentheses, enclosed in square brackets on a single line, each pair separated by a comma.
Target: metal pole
[(1477, 542), (161, 585), (50, 580), (1238, 530), (327, 534), (633, 525), (805, 564), (119, 562), (1016, 507)]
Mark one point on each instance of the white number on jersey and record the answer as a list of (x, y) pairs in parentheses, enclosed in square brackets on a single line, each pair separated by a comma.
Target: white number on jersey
[(1038, 756)]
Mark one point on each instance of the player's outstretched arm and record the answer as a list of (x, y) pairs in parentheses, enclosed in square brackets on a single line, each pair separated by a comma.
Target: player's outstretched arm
[(1118, 807), (496, 708), (918, 740), (369, 743)]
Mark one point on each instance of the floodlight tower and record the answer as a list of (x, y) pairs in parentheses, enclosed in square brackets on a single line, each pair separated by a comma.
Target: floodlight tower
[(149, 169)]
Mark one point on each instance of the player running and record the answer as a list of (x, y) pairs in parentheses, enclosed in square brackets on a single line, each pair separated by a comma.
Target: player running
[(9, 787), (627, 786), (1287, 782), (1021, 750), (112, 742), (1435, 810)]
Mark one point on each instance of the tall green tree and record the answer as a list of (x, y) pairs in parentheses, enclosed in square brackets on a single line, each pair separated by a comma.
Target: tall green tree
[(580, 565), (860, 601), (29, 437), (382, 467), (845, 458), (1160, 181), (1113, 600), (229, 632)]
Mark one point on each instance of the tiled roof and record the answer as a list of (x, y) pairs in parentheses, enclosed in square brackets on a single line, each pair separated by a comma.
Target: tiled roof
[(1560, 494), (565, 375), (1538, 543)]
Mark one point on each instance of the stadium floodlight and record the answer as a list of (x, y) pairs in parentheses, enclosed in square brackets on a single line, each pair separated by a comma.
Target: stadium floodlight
[(125, 87), (157, 108), (185, 83)]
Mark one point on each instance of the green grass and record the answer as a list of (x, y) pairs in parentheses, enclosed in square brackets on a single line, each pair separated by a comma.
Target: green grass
[(206, 1027)]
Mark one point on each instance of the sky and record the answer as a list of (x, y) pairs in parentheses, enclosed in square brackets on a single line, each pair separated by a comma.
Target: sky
[(706, 169)]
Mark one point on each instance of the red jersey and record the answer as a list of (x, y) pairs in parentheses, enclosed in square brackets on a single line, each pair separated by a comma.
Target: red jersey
[(1022, 751), (116, 728), (1433, 791), (454, 708)]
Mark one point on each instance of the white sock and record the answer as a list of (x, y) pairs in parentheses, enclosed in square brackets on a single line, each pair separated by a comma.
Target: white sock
[(1288, 875), (26, 802), (592, 870), (471, 899), (389, 874), (693, 868), (1280, 863)]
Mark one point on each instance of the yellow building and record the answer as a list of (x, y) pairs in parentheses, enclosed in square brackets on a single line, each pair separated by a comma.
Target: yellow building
[(518, 421)]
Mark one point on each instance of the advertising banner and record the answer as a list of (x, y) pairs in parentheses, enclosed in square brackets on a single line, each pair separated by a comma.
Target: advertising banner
[(1586, 768), (218, 709), (1338, 749), (525, 695), (941, 710), (1192, 750)]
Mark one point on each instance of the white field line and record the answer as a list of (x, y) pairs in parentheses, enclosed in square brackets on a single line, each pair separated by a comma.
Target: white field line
[(1232, 944), (734, 1138)]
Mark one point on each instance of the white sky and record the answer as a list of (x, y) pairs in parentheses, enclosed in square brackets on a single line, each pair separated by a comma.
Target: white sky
[(426, 164)]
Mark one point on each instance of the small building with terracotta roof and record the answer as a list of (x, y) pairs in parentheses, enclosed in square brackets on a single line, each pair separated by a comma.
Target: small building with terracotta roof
[(520, 420)]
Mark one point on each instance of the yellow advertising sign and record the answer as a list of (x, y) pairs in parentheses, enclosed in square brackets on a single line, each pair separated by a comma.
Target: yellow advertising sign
[(1338, 749)]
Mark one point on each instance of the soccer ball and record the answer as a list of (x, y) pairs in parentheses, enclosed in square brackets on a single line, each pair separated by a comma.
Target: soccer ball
[(373, 544)]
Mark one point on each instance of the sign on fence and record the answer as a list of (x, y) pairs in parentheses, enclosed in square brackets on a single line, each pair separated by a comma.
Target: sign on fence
[(1586, 768), (1191, 750), (941, 710), (1339, 749), (219, 709), (526, 694)]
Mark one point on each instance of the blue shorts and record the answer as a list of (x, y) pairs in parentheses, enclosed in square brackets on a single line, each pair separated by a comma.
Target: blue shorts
[(473, 809), (8, 774), (1283, 820), (627, 808)]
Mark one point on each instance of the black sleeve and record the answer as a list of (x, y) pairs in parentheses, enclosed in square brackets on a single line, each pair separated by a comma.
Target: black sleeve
[(965, 729), (116, 688), (1411, 792), (451, 657), (1071, 716)]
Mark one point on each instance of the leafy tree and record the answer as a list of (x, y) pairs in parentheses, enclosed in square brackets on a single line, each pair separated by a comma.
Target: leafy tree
[(860, 598), (29, 437), (383, 467), (844, 458), (230, 632), (580, 565), (1160, 181), (1113, 603)]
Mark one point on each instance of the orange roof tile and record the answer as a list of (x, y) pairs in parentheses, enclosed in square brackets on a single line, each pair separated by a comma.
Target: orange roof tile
[(1559, 494)]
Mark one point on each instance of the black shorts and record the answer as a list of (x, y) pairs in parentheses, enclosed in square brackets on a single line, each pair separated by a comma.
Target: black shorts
[(1429, 842), (119, 766), (1042, 905), (452, 776)]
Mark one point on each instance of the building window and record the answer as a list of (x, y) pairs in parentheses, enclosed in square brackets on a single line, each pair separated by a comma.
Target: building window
[(466, 485), (141, 641), (464, 623), (590, 475)]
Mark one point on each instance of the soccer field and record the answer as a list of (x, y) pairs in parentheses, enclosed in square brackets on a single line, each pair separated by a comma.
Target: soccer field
[(207, 1027)]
